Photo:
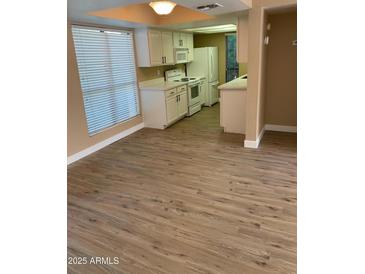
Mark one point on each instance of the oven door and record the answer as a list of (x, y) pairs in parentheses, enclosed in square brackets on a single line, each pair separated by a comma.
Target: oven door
[(194, 95)]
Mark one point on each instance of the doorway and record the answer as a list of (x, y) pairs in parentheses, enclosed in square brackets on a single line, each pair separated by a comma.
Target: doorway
[(232, 68)]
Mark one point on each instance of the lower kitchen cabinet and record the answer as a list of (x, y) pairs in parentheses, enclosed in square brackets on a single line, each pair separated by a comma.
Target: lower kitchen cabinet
[(182, 104), (171, 109), (161, 108)]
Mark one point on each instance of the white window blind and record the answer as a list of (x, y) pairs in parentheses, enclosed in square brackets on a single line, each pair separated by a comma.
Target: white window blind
[(105, 59)]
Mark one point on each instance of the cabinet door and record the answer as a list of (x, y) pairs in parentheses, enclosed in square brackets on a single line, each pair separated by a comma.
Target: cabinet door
[(155, 47), (182, 104), (190, 45), (167, 47), (176, 38), (183, 40), (171, 109)]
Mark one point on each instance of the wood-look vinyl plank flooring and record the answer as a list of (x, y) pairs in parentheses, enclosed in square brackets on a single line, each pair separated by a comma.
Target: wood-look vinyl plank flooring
[(188, 199)]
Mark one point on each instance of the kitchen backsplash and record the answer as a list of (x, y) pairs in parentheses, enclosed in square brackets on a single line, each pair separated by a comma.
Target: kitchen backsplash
[(145, 74)]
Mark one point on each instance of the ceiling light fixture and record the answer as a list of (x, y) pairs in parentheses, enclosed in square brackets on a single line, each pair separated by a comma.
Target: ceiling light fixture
[(162, 7)]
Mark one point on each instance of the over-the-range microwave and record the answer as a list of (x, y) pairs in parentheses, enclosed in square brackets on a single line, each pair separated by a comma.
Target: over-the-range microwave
[(181, 55)]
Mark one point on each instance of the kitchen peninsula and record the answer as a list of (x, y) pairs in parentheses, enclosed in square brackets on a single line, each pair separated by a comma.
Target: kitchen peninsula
[(233, 105)]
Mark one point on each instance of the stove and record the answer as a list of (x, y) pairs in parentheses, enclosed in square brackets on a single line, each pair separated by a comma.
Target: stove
[(186, 79), (194, 88)]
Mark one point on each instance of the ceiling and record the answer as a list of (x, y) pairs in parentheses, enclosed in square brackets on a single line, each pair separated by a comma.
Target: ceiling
[(214, 29), (78, 11)]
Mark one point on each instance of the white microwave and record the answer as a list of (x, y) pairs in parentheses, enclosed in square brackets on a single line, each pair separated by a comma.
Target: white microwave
[(181, 55)]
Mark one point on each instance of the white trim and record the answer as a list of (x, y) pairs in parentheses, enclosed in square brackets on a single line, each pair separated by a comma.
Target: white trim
[(256, 143), (83, 153), (280, 128)]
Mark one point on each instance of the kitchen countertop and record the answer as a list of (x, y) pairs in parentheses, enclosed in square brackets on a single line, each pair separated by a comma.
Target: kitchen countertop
[(236, 84), (159, 84)]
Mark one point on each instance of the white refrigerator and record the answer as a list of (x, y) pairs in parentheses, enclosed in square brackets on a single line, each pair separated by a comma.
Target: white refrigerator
[(205, 64)]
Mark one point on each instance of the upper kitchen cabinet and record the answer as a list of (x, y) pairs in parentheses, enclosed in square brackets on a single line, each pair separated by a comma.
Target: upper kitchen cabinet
[(167, 47), (190, 46), (242, 39), (180, 40), (154, 47), (186, 41)]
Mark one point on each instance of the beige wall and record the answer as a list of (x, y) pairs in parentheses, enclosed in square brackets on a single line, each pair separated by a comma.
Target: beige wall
[(256, 61), (144, 74), (77, 134), (217, 40), (281, 71)]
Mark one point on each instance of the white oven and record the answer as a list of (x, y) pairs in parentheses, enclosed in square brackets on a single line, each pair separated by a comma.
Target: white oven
[(194, 93), (194, 97), (181, 55), (194, 88)]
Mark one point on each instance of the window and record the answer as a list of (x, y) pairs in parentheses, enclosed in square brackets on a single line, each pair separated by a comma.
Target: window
[(231, 61), (105, 59)]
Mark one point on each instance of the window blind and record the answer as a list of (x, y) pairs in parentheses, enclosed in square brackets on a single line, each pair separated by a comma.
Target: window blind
[(106, 64)]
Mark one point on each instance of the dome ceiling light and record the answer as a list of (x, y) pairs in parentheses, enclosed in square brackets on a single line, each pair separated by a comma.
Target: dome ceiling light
[(162, 7)]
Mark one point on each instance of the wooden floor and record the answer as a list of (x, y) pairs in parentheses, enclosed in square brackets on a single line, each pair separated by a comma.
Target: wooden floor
[(188, 199)]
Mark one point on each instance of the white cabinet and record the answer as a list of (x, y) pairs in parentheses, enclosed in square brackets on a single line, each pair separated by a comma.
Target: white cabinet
[(182, 104), (161, 108), (154, 47), (167, 48), (172, 109), (190, 46), (180, 40), (176, 39), (233, 111), (184, 40)]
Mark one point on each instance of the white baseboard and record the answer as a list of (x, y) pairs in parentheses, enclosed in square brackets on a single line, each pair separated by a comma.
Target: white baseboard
[(256, 143), (280, 128), (83, 153)]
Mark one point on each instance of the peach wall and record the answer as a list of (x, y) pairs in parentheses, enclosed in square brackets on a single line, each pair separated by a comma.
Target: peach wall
[(145, 74), (281, 71), (255, 83), (77, 134), (143, 13)]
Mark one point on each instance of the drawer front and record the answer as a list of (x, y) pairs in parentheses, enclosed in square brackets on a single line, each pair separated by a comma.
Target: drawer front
[(170, 92), (181, 88)]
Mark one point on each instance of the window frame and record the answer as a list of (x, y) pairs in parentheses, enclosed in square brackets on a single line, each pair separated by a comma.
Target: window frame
[(138, 97)]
